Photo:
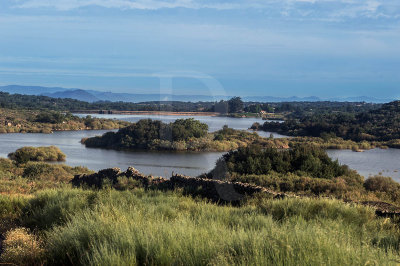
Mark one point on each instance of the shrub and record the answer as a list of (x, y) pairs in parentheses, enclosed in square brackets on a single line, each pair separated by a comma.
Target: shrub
[(49, 172), (6, 165), (26, 154), (382, 184), (384, 187)]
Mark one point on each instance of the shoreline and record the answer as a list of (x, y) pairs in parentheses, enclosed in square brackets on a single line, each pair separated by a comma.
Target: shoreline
[(166, 113)]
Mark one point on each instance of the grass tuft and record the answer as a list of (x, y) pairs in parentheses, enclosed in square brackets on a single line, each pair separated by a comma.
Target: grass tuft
[(21, 248)]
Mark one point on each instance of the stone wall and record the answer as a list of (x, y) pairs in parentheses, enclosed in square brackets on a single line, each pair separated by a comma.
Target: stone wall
[(215, 190)]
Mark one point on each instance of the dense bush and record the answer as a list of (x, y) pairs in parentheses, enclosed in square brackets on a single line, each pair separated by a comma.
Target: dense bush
[(39, 154), (385, 187), (305, 159), (380, 183)]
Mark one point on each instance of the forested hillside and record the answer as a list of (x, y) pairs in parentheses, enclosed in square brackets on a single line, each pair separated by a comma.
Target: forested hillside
[(381, 124)]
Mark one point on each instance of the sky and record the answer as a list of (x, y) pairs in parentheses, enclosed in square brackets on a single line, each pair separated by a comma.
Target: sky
[(325, 48)]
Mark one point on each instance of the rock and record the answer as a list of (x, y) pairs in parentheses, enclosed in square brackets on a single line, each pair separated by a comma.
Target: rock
[(131, 172), (382, 208), (97, 179)]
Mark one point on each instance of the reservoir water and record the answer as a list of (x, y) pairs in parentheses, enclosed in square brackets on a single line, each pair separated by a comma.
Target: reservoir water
[(156, 163), (384, 162), (372, 162)]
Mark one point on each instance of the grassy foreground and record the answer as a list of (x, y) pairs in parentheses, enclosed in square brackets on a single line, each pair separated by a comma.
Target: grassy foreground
[(109, 227)]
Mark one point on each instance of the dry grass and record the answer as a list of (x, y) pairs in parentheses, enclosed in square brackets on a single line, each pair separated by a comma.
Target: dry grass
[(21, 248)]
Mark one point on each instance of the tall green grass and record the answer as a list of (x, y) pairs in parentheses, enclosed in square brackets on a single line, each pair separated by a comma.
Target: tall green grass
[(54, 207), (150, 227), (11, 209)]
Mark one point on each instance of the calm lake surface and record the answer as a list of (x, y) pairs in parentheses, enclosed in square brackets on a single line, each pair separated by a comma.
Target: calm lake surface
[(156, 163), (371, 162), (367, 163)]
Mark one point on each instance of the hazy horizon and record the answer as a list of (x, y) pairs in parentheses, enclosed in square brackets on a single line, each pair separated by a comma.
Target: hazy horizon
[(286, 48)]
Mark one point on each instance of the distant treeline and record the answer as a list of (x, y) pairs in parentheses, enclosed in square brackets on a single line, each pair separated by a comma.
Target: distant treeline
[(296, 110), (19, 101), (234, 105)]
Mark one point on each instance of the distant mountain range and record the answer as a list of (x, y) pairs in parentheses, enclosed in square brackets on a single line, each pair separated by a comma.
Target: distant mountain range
[(93, 96)]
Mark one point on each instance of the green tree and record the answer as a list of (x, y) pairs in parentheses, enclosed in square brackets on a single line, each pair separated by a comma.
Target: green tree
[(221, 107), (235, 105)]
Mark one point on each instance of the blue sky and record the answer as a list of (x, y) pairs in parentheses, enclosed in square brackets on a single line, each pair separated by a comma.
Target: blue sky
[(323, 48)]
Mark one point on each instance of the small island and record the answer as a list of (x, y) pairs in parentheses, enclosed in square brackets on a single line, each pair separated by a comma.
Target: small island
[(181, 135)]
